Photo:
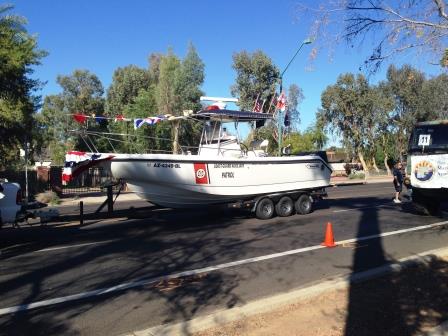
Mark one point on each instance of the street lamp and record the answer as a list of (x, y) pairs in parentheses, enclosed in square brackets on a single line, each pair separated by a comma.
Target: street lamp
[(280, 113), (306, 41)]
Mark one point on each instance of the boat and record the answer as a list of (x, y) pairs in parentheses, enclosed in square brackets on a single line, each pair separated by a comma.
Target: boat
[(223, 170)]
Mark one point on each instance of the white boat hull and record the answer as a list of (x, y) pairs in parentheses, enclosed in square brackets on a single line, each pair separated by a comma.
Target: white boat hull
[(179, 181)]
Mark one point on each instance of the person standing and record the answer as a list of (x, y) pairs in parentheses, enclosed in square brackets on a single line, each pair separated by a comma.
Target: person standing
[(398, 181)]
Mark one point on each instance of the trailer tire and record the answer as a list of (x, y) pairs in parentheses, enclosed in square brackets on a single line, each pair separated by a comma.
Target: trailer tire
[(303, 204), (265, 208), (284, 207)]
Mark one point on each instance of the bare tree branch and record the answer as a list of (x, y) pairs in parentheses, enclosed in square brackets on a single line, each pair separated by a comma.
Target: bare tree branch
[(398, 25), (441, 7)]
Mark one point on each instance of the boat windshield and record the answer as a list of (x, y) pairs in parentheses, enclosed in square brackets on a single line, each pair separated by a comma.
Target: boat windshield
[(429, 139), (216, 131)]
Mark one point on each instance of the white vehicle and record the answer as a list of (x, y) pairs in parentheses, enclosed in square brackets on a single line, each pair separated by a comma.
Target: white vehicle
[(428, 153), (224, 170), (10, 202)]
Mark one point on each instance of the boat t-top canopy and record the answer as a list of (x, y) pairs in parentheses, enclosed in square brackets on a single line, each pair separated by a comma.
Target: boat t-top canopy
[(231, 115)]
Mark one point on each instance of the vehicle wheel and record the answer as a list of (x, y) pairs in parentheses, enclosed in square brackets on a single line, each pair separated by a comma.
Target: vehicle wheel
[(427, 206), (265, 209), (303, 204), (284, 207), (433, 207)]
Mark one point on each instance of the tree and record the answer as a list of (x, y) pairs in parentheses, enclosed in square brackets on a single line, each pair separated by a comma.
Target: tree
[(444, 60), (129, 84), (433, 103), (379, 130), (82, 92), (126, 85), (189, 80), (395, 26), (142, 140), (178, 88), (347, 109), (167, 98), (295, 97), (381, 135), (405, 86), (18, 54), (256, 77), (317, 130), (154, 66), (55, 125)]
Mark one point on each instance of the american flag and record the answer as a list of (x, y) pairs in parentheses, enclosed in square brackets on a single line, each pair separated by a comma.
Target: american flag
[(257, 107)]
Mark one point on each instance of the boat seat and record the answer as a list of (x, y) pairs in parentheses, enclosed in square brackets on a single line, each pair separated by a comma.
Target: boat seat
[(259, 148)]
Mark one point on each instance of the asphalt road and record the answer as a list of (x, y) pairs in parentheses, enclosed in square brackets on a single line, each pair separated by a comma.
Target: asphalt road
[(155, 266)]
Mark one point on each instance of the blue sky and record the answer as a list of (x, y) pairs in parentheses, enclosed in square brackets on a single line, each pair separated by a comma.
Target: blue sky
[(103, 35)]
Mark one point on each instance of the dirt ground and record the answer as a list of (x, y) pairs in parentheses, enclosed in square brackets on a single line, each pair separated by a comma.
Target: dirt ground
[(410, 302)]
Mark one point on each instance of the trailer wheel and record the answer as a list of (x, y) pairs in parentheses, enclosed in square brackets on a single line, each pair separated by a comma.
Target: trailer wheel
[(265, 208), (284, 207), (303, 204)]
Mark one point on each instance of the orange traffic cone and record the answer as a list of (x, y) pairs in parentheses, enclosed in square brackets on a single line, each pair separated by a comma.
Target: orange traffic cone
[(329, 238)]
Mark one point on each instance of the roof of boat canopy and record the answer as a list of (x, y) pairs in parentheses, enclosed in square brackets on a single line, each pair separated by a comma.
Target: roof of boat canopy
[(232, 115)]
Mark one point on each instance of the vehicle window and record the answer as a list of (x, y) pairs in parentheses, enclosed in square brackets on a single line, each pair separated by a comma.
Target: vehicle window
[(431, 137)]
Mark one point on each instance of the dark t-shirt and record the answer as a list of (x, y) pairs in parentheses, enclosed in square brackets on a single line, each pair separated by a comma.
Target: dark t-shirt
[(399, 176)]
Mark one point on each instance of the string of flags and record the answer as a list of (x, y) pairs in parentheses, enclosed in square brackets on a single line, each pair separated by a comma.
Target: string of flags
[(138, 122)]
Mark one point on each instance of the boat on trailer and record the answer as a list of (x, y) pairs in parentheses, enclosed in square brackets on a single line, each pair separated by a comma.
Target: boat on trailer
[(224, 170)]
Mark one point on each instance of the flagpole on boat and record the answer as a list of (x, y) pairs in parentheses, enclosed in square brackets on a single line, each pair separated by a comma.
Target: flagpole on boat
[(280, 114)]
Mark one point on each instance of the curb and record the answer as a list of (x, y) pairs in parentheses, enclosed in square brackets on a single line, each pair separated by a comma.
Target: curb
[(359, 182), (268, 304)]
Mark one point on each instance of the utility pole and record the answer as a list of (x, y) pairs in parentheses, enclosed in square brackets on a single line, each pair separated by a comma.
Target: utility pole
[(27, 145)]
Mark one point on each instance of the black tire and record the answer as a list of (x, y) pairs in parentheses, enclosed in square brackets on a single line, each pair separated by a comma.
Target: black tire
[(427, 206), (303, 204), (265, 209), (284, 207), (433, 207)]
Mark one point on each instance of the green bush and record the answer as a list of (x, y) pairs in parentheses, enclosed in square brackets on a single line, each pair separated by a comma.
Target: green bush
[(357, 175)]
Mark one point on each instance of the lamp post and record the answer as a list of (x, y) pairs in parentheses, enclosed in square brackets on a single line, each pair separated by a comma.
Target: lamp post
[(280, 115)]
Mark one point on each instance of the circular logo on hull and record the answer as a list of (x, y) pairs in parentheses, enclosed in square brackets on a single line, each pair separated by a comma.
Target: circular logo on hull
[(200, 173), (424, 171)]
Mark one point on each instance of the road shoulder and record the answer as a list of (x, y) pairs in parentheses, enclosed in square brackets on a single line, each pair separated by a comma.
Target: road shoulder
[(320, 309)]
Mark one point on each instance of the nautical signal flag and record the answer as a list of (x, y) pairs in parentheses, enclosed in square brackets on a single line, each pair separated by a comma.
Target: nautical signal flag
[(79, 117), (287, 121), (281, 102), (102, 120), (150, 121), (119, 117)]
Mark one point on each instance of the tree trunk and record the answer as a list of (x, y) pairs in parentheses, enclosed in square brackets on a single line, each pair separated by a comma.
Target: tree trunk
[(175, 136), (363, 162), (374, 165), (386, 158)]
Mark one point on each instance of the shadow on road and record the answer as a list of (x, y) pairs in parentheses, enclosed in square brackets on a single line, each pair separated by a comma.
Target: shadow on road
[(165, 242), (162, 246), (401, 303)]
